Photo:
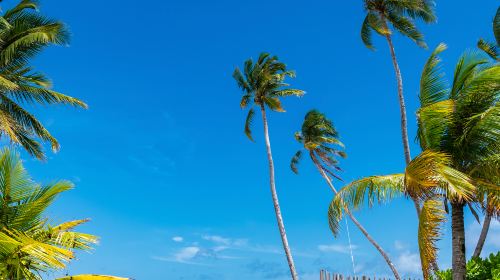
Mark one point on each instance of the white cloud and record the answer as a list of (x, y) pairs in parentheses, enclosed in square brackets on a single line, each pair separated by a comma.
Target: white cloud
[(344, 249), (409, 263), (186, 254), (178, 238), (217, 239), (492, 243), (400, 245)]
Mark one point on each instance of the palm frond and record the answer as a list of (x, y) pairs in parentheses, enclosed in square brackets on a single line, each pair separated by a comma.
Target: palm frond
[(295, 162), (248, 124), (407, 28), (366, 33), (431, 220), (369, 190)]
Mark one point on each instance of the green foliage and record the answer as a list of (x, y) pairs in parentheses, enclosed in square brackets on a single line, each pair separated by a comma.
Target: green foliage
[(320, 138), (400, 14), (29, 244), (24, 33), (477, 269), (263, 83)]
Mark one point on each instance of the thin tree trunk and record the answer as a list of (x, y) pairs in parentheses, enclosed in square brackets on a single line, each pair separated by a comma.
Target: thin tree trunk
[(402, 109), (458, 241), (484, 233), (277, 209), (355, 221)]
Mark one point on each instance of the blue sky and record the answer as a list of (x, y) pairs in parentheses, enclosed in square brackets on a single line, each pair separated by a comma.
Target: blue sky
[(160, 161)]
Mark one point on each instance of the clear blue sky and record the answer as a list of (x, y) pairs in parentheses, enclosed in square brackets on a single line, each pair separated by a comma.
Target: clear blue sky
[(161, 163)]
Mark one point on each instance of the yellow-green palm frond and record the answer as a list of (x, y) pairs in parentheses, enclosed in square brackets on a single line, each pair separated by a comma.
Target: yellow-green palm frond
[(432, 216), (92, 277), (370, 190), (431, 172), (433, 122)]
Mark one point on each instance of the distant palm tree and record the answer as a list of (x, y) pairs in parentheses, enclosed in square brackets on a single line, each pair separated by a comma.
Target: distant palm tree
[(23, 34), (400, 14), (29, 244), (263, 84), (319, 137)]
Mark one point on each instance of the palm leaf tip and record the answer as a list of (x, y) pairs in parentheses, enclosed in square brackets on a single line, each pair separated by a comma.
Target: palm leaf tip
[(432, 216), (248, 124)]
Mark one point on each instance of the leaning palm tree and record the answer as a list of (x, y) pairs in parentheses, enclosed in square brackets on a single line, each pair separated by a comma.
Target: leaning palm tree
[(492, 48), (23, 34), (463, 121), (320, 138), (263, 83), (401, 15)]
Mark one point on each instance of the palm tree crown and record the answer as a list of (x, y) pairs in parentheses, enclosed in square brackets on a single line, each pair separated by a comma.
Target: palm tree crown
[(318, 136), (263, 83), (400, 14), (23, 34)]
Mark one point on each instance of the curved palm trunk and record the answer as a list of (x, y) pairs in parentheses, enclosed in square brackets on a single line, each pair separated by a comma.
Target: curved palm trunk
[(402, 109), (458, 241), (355, 221), (277, 210), (484, 233)]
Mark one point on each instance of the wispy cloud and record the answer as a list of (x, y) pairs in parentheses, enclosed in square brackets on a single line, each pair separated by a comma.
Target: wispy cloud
[(336, 248), (408, 262)]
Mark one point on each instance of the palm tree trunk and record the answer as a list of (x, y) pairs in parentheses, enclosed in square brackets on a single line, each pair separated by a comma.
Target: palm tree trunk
[(402, 109), (277, 209), (484, 233), (355, 221), (458, 241)]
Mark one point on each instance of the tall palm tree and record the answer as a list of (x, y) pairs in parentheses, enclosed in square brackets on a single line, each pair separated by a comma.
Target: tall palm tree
[(380, 14), (493, 50), (319, 137), (29, 244), (24, 33), (463, 121), (458, 129), (263, 83)]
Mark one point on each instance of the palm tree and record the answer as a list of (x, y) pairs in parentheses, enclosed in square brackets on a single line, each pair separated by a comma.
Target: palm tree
[(29, 244), (23, 34), (464, 122), (318, 136), (492, 49), (458, 131), (401, 15), (263, 83)]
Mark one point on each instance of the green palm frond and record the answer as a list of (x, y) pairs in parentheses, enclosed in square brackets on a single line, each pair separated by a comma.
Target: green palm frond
[(496, 26), (489, 48), (295, 162), (366, 33), (432, 216), (415, 9), (370, 190), (407, 28), (433, 86), (21, 7), (248, 124), (464, 71)]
